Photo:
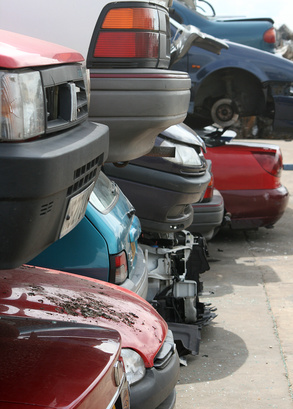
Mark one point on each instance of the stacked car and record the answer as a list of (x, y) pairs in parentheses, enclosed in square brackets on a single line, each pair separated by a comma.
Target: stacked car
[(110, 200)]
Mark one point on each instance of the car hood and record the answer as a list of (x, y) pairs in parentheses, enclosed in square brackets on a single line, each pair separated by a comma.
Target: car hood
[(49, 364), (19, 51), (49, 294)]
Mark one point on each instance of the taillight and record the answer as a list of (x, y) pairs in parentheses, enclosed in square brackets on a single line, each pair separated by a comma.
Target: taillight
[(270, 35), (127, 45), (271, 162), (209, 191), (118, 268), (125, 35)]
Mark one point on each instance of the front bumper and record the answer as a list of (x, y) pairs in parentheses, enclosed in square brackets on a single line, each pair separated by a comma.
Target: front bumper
[(38, 179), (208, 217), (251, 209), (157, 389)]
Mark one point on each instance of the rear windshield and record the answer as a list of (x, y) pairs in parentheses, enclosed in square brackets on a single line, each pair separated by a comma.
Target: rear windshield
[(105, 194)]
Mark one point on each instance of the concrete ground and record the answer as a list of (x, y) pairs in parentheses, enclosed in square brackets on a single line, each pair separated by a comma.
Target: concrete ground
[(246, 354)]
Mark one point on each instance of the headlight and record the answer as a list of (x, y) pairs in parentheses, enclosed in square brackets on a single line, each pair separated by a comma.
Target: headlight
[(22, 106), (184, 155), (134, 365)]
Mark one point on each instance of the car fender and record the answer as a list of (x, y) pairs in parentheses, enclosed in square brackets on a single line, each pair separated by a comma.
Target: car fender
[(263, 65)]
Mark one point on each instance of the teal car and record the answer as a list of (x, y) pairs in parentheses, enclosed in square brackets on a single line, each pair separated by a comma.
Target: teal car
[(104, 245), (254, 32)]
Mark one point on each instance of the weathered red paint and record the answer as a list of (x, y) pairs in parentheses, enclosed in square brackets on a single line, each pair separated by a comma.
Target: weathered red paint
[(41, 293)]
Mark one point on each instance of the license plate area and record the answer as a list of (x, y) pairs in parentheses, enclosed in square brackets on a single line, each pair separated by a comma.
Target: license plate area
[(76, 210)]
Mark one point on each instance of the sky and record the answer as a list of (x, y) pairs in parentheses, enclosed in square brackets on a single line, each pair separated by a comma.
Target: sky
[(281, 11)]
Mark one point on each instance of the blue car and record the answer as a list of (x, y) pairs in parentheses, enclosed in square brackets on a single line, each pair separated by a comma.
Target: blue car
[(239, 82), (254, 32), (104, 245)]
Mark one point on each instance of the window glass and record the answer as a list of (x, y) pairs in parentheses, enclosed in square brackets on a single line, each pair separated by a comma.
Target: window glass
[(105, 194)]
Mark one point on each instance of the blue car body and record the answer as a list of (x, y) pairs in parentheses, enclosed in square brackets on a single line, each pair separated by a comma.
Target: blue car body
[(239, 82), (108, 231), (251, 32)]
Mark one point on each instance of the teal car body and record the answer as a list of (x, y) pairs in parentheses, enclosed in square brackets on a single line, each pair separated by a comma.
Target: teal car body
[(104, 245), (254, 32)]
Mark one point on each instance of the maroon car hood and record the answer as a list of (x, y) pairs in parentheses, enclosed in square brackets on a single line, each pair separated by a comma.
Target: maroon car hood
[(41, 293), (19, 51), (51, 364)]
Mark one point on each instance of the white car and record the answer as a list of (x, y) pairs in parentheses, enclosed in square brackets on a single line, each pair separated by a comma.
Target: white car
[(127, 45)]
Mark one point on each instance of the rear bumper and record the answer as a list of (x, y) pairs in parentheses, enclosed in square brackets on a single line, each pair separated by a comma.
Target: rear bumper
[(157, 389), (138, 281), (137, 104), (252, 209), (38, 179), (208, 217)]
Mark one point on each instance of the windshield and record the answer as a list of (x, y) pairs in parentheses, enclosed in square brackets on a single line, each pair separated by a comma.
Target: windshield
[(105, 194)]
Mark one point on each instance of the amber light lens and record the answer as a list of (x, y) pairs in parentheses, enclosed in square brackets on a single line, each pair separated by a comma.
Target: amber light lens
[(210, 190), (131, 18), (127, 45)]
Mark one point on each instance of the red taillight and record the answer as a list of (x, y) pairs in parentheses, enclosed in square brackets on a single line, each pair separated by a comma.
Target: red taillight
[(271, 162), (270, 35), (129, 33), (119, 269), (210, 190), (127, 45)]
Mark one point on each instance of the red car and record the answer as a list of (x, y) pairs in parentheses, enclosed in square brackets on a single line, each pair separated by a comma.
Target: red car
[(148, 349), (248, 176), (48, 364)]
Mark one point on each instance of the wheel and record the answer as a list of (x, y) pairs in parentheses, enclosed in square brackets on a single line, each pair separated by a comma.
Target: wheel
[(224, 112)]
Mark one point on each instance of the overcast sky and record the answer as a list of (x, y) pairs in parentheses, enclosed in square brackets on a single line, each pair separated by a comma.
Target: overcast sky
[(281, 11)]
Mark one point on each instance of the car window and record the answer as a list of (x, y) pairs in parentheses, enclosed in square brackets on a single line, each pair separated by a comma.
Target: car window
[(105, 194)]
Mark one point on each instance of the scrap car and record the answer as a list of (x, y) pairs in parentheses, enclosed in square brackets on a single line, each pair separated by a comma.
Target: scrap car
[(104, 245), (41, 352), (51, 155), (259, 33), (239, 82), (127, 47), (253, 193), (148, 349)]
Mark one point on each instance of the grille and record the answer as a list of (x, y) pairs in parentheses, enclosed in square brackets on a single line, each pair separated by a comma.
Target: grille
[(66, 104), (66, 97), (46, 208), (84, 175)]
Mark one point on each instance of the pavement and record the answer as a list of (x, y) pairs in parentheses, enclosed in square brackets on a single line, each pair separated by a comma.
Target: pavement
[(246, 353)]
